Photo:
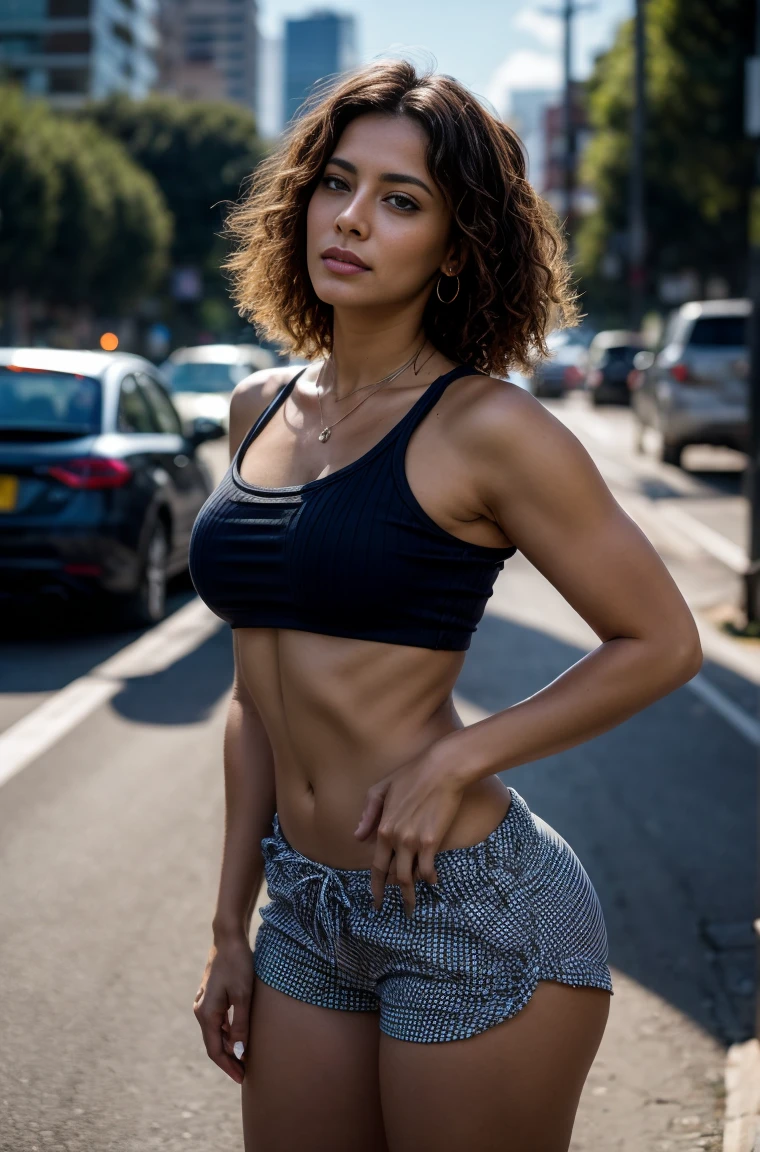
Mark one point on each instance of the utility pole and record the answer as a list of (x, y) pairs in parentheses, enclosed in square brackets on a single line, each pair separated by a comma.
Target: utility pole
[(752, 476), (568, 114), (569, 9), (636, 208)]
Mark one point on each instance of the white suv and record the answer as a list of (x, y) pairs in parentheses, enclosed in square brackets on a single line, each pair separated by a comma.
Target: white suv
[(694, 389)]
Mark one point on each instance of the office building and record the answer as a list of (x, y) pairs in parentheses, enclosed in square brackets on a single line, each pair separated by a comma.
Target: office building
[(527, 112), (555, 145), (209, 50), (269, 117), (72, 50), (317, 47)]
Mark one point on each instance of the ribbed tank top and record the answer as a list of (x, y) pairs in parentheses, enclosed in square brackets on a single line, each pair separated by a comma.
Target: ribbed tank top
[(349, 554)]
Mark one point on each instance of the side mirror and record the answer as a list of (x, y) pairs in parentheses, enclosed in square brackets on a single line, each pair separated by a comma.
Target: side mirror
[(643, 360), (203, 428)]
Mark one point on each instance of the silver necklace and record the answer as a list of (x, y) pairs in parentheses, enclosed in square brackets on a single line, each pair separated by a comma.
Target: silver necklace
[(326, 432)]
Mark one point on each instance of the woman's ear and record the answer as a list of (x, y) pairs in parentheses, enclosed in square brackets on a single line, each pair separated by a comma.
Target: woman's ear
[(456, 258)]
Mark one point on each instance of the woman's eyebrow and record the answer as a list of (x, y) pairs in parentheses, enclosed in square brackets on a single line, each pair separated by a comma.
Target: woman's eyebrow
[(386, 177)]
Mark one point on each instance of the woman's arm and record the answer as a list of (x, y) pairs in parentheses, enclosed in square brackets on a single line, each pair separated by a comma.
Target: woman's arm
[(249, 792), (541, 486), (249, 807), (535, 480)]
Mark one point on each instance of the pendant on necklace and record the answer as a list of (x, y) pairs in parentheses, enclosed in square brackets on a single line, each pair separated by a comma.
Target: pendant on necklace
[(324, 434)]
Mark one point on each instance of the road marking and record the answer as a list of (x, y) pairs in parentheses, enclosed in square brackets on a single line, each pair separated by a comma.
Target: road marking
[(152, 652), (715, 543), (747, 725)]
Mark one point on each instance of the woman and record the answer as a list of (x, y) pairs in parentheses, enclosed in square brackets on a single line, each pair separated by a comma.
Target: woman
[(431, 972)]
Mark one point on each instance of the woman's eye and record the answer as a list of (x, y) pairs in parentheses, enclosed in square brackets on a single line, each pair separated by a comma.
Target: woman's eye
[(403, 202), (330, 181)]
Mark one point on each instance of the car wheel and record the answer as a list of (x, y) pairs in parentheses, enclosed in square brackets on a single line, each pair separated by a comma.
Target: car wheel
[(147, 605), (638, 437), (670, 452)]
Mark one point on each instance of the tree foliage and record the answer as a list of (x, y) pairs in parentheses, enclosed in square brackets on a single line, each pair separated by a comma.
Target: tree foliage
[(199, 152), (81, 222), (698, 164)]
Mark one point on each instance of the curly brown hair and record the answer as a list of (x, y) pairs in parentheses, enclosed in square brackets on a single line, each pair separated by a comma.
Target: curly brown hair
[(515, 284)]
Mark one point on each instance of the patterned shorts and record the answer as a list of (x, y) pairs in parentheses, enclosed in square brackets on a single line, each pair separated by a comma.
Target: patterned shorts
[(512, 910)]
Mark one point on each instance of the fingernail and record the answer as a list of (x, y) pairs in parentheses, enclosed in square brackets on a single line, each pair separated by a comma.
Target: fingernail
[(238, 1048)]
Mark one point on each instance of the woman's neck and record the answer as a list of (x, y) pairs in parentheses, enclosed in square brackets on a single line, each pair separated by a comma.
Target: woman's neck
[(363, 354)]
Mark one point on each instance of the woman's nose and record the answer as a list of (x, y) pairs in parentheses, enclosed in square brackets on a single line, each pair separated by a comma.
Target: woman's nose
[(353, 219)]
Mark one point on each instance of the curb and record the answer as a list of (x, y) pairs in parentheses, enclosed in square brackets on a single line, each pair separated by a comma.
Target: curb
[(742, 1077)]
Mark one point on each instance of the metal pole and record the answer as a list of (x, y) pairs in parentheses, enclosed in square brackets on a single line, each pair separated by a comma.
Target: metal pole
[(752, 474), (752, 477), (636, 213), (568, 121)]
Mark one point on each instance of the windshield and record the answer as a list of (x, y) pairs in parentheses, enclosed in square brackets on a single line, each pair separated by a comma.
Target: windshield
[(720, 332), (620, 355), (205, 377), (32, 398)]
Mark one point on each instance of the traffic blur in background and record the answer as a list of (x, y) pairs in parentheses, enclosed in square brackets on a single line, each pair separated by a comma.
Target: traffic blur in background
[(126, 132)]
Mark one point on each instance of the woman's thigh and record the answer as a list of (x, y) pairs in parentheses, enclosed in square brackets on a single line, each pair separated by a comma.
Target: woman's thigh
[(513, 1088), (311, 1079)]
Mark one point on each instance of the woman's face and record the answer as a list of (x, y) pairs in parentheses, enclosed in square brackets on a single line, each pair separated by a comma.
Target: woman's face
[(376, 202)]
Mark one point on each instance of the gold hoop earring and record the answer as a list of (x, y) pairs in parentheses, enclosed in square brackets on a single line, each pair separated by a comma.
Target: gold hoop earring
[(438, 291)]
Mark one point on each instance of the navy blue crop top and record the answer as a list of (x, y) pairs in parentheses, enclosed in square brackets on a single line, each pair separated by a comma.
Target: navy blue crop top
[(348, 554)]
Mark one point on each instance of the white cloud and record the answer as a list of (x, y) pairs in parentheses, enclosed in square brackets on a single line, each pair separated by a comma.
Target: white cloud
[(524, 69), (544, 28)]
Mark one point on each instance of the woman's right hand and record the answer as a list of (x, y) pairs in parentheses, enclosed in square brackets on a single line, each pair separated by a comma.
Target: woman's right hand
[(227, 981)]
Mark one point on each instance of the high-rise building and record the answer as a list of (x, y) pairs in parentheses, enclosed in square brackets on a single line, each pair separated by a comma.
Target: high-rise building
[(583, 198), (317, 46), (72, 50), (209, 49), (269, 102), (527, 112)]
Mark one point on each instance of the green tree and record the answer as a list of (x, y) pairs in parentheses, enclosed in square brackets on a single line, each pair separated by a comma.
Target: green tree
[(30, 188), (698, 165), (200, 153), (81, 222)]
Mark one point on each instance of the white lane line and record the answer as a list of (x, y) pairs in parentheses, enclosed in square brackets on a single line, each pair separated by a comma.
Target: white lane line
[(718, 545), (712, 542), (153, 652), (746, 725)]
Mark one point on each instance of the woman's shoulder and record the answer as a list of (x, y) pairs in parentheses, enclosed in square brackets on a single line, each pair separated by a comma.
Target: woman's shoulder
[(252, 395), (503, 426)]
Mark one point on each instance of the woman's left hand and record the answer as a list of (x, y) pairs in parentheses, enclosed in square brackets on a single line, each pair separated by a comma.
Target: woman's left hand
[(412, 808)]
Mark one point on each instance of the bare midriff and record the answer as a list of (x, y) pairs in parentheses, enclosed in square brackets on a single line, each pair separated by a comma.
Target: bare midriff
[(341, 714)]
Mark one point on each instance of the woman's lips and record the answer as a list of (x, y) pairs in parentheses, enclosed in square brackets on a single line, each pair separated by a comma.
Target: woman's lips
[(342, 267)]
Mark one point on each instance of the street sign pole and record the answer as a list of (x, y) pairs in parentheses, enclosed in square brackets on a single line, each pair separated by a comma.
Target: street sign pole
[(752, 478), (636, 217), (568, 116)]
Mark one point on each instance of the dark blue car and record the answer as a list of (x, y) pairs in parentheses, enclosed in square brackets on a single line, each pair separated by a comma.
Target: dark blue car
[(99, 484)]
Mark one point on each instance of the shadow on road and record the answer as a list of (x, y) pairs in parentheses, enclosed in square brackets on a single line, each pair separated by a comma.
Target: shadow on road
[(184, 693), (662, 812), (43, 649)]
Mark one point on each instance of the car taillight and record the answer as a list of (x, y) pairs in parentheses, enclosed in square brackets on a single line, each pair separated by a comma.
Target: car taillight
[(680, 372), (91, 472), (572, 376), (634, 379)]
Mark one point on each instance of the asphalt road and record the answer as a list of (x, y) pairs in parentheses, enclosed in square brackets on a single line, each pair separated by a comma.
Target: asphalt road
[(111, 821)]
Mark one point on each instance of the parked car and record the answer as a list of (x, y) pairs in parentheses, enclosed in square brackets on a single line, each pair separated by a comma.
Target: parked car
[(99, 484), (610, 360), (694, 390), (201, 378), (566, 367)]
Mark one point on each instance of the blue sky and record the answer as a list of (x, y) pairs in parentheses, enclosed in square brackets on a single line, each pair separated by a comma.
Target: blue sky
[(492, 46)]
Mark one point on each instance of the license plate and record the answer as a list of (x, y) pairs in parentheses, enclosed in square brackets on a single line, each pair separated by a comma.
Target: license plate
[(8, 493)]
